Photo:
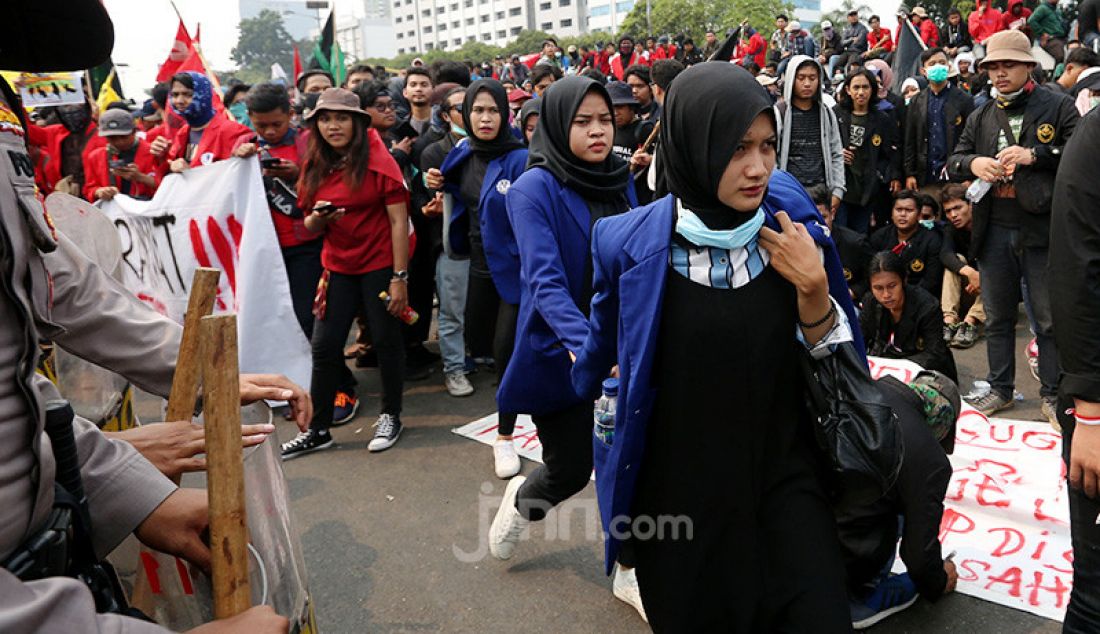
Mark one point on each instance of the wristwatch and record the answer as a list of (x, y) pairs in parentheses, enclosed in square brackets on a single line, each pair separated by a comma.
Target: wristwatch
[(400, 276)]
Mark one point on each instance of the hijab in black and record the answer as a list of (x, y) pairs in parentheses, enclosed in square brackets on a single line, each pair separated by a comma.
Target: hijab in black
[(529, 109), (708, 110), (505, 141), (549, 150)]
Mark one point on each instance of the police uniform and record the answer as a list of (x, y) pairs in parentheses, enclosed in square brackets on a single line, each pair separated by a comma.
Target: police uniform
[(921, 255), (48, 289)]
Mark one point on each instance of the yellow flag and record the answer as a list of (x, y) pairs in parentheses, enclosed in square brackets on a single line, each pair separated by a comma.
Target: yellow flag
[(107, 94)]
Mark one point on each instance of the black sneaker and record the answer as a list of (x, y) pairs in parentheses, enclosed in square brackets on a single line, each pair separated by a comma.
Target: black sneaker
[(966, 337), (386, 431), (949, 332), (306, 442)]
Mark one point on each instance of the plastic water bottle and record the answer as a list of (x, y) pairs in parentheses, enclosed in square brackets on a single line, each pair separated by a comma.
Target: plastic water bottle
[(977, 190), (604, 413)]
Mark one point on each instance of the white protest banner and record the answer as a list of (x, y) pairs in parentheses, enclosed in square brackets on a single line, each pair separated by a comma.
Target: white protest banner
[(1006, 513), (525, 437), (216, 216)]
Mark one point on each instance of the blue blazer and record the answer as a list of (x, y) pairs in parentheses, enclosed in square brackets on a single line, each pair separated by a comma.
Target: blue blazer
[(630, 259), (496, 231), (552, 226)]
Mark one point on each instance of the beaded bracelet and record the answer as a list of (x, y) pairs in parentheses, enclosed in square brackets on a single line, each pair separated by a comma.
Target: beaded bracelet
[(832, 311)]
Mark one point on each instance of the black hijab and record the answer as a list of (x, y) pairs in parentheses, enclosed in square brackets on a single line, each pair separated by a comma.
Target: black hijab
[(549, 150), (505, 141), (707, 111)]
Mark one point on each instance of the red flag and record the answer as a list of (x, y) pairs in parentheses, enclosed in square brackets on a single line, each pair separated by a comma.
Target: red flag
[(530, 60), (195, 63), (297, 65), (181, 49)]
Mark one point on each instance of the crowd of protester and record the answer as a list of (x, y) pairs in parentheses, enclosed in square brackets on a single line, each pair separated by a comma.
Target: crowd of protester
[(491, 198)]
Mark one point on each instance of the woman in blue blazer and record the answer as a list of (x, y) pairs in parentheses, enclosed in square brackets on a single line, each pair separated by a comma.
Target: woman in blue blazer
[(711, 482), (477, 174), (572, 180)]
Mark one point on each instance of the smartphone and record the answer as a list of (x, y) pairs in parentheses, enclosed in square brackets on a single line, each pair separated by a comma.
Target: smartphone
[(404, 131), (117, 164), (324, 210), (270, 163)]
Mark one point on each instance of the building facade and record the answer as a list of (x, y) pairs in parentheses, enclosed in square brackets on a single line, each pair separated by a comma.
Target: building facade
[(607, 15), (427, 25)]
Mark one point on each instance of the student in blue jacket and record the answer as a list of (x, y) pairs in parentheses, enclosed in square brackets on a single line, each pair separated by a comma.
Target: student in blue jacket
[(478, 173), (702, 299), (572, 181)]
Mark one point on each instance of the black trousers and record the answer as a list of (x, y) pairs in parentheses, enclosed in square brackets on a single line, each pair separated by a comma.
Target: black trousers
[(346, 295), (303, 270), (482, 305), (504, 342), (421, 294), (566, 438), (1083, 612)]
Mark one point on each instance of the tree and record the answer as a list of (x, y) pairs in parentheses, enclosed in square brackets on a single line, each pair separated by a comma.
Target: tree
[(263, 41), (694, 17), (839, 17)]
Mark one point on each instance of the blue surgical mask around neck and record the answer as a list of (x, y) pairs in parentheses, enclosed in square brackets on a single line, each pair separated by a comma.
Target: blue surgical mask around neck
[(692, 228)]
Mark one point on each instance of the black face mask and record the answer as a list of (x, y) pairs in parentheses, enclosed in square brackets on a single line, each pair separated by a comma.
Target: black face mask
[(74, 118)]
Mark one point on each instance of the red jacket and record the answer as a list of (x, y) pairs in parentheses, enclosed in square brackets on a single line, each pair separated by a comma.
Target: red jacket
[(1007, 19), (661, 53), (49, 139), (882, 38), (617, 68), (97, 172), (157, 131), (983, 25), (219, 139), (603, 62), (928, 33), (754, 50)]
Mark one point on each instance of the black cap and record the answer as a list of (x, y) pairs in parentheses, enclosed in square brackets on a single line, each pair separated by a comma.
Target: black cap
[(621, 94)]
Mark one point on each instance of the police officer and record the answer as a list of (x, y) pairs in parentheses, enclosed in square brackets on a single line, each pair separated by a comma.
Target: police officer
[(49, 290)]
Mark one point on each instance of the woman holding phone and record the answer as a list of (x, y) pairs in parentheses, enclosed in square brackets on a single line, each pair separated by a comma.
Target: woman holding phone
[(359, 204), (572, 180), (702, 300)]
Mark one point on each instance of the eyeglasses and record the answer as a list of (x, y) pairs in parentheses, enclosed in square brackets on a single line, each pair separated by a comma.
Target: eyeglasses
[(456, 107), (384, 107)]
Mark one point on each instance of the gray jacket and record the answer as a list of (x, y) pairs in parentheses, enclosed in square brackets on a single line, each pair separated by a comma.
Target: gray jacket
[(48, 289), (831, 145)]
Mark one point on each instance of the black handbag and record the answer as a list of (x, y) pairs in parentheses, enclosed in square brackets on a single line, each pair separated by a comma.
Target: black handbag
[(856, 429)]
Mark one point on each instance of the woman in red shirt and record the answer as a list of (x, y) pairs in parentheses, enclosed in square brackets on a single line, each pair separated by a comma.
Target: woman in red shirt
[(359, 202)]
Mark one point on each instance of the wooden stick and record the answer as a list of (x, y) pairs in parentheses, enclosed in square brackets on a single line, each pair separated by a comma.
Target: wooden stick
[(225, 466), (649, 141), (185, 383)]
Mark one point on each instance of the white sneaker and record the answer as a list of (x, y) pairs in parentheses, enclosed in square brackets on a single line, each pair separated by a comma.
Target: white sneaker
[(505, 458), (508, 524), (458, 385), (625, 588)]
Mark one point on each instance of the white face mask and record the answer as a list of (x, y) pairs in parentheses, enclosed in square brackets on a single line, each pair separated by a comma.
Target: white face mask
[(1093, 102)]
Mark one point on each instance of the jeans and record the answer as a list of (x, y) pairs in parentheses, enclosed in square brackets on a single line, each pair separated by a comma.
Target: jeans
[(855, 217), (1083, 612), (346, 295), (566, 438), (1003, 264), (833, 61), (504, 344), (450, 283)]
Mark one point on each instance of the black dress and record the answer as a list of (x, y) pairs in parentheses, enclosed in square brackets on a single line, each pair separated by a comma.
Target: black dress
[(729, 446)]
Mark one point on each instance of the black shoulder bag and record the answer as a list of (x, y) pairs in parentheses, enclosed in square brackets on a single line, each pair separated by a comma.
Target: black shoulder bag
[(856, 430)]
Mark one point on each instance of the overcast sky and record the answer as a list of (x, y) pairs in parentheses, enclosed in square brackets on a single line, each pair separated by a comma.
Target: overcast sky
[(145, 29)]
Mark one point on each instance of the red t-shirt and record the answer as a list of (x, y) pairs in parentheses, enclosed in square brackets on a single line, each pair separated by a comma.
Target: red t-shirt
[(360, 241)]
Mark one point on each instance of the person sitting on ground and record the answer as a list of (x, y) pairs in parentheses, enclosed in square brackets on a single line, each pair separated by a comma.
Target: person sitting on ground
[(855, 252), (916, 245), (903, 321), (954, 36), (927, 409), (962, 283), (124, 165)]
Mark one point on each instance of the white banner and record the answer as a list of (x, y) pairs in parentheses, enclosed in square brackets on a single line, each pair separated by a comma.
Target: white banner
[(1006, 513), (215, 216)]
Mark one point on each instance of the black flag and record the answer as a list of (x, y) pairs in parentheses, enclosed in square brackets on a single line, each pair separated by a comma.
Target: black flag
[(906, 55)]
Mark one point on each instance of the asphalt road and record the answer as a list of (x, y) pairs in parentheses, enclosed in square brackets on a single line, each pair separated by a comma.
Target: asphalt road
[(394, 542)]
